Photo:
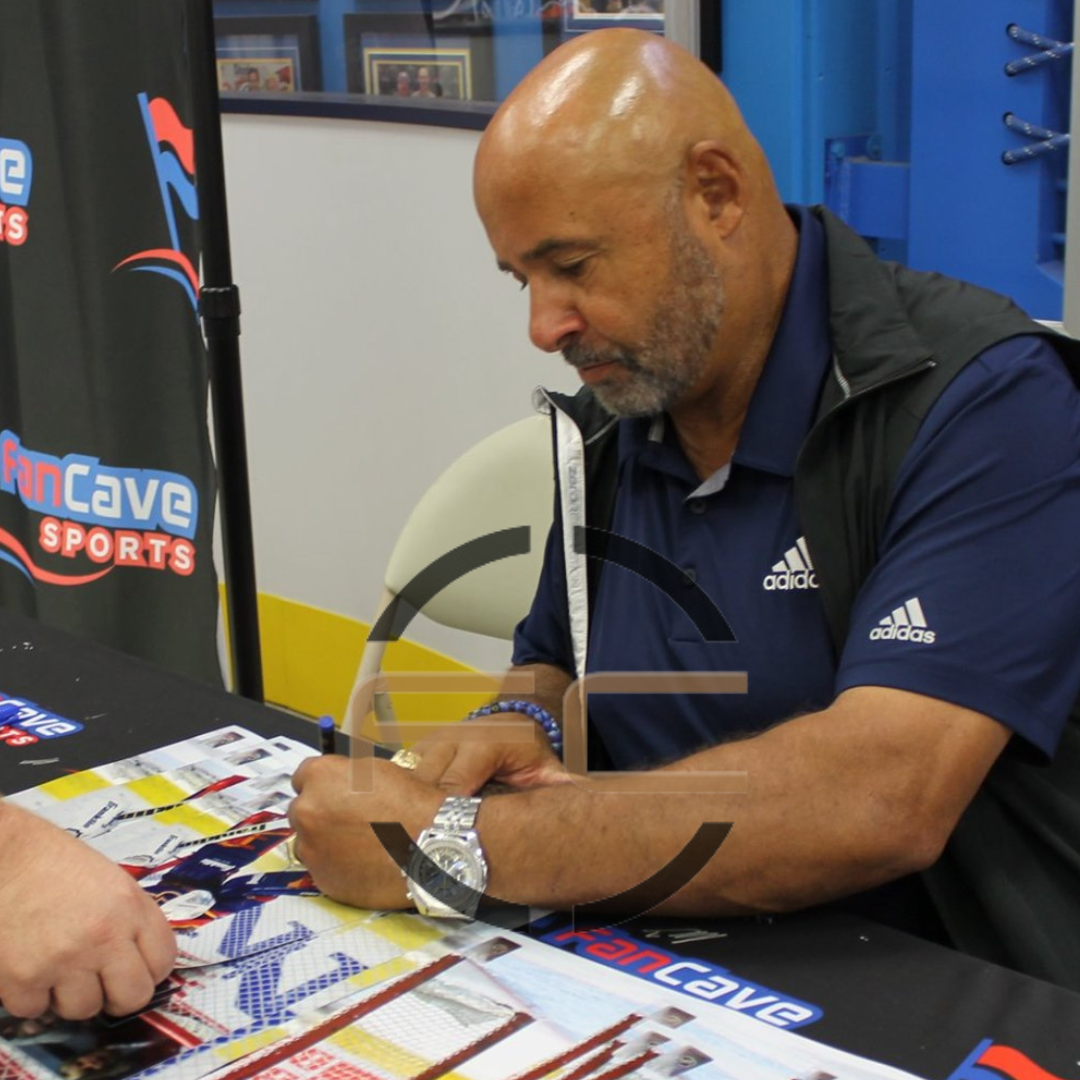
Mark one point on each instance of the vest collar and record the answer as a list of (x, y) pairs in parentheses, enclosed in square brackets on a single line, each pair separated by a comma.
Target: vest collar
[(872, 334)]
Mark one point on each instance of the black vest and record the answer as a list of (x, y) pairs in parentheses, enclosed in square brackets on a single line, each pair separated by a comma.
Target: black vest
[(1008, 885)]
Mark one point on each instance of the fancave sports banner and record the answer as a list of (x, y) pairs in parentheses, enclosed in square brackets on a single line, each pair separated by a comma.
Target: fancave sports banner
[(106, 478)]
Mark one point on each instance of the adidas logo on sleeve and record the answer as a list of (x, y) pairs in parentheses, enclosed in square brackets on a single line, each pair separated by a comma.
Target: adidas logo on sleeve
[(793, 571), (905, 623)]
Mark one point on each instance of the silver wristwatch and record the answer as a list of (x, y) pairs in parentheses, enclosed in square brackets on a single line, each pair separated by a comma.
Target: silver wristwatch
[(449, 872)]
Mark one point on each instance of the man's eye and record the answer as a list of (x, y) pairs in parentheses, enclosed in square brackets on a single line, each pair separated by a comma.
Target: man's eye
[(572, 270)]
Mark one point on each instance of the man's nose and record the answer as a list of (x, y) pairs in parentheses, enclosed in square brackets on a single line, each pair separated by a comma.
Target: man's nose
[(553, 319)]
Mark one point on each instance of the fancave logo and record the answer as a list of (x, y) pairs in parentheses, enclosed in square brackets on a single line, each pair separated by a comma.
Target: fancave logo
[(97, 515), (172, 148), (16, 175), (695, 978), (22, 723)]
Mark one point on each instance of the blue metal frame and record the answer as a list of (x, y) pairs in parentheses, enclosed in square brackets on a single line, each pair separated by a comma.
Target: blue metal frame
[(973, 215), (893, 112)]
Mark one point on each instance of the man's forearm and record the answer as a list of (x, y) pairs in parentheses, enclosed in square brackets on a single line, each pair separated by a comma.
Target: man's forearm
[(837, 802), (574, 844)]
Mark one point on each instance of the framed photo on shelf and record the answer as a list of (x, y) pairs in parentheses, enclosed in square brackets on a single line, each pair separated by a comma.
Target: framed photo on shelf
[(410, 59), (581, 15), (267, 54), (432, 64)]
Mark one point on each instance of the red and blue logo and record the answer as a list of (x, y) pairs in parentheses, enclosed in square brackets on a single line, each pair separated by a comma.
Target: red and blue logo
[(22, 723), (695, 978), (993, 1061), (97, 515), (172, 148), (16, 176)]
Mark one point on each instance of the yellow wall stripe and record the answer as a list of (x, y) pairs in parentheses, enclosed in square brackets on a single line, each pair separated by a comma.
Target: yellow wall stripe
[(310, 657)]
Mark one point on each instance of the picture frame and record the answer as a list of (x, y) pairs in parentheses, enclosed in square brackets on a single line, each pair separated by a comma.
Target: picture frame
[(267, 55), (341, 66), (582, 15), (413, 61)]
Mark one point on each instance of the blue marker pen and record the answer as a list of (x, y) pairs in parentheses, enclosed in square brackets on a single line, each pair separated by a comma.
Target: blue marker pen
[(327, 735)]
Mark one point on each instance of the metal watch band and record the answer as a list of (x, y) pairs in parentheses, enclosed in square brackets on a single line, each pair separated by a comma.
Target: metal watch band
[(457, 813)]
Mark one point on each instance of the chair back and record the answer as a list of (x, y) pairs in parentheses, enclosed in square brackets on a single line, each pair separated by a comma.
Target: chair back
[(505, 481)]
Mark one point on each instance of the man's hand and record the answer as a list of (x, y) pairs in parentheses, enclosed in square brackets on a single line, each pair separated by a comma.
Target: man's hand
[(465, 756), (79, 934), (334, 839), (462, 758)]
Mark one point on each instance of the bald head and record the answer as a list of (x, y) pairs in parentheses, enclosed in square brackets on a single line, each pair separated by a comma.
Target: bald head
[(617, 102), (620, 184)]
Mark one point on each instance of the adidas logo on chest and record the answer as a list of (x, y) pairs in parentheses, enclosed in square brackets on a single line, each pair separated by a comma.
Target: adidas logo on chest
[(794, 571)]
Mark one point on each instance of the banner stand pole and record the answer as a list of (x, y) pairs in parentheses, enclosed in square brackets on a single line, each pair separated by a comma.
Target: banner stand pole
[(219, 306)]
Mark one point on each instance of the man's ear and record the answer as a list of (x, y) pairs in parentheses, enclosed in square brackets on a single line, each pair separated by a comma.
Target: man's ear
[(715, 178)]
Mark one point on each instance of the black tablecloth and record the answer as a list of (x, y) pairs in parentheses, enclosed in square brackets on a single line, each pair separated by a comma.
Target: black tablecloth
[(880, 994)]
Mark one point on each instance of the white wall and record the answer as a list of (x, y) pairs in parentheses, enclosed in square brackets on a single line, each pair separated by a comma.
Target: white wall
[(378, 342)]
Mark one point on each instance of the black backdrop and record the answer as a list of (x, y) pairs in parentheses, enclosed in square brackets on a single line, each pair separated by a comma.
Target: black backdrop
[(106, 477)]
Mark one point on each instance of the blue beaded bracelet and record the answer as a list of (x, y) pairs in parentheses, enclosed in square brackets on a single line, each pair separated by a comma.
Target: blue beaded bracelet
[(534, 712)]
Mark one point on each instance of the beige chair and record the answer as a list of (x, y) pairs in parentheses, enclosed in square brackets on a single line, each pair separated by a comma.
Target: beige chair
[(505, 481)]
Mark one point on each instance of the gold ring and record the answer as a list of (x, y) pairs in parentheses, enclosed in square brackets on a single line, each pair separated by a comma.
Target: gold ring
[(290, 852), (405, 759)]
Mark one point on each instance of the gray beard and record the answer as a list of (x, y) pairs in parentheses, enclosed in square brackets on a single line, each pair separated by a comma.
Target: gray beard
[(679, 341)]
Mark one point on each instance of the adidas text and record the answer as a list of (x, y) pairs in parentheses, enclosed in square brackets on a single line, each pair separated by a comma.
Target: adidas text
[(902, 633), (905, 623), (788, 579)]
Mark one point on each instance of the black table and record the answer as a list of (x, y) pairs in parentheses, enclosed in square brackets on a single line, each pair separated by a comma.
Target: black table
[(881, 994)]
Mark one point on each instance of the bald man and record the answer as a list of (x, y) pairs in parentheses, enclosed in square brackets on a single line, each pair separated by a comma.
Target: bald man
[(870, 477)]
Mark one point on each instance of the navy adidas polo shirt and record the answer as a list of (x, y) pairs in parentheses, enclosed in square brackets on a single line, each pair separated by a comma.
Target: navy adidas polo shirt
[(975, 599)]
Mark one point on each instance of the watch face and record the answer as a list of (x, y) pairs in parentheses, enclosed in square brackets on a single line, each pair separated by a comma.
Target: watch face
[(456, 861)]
